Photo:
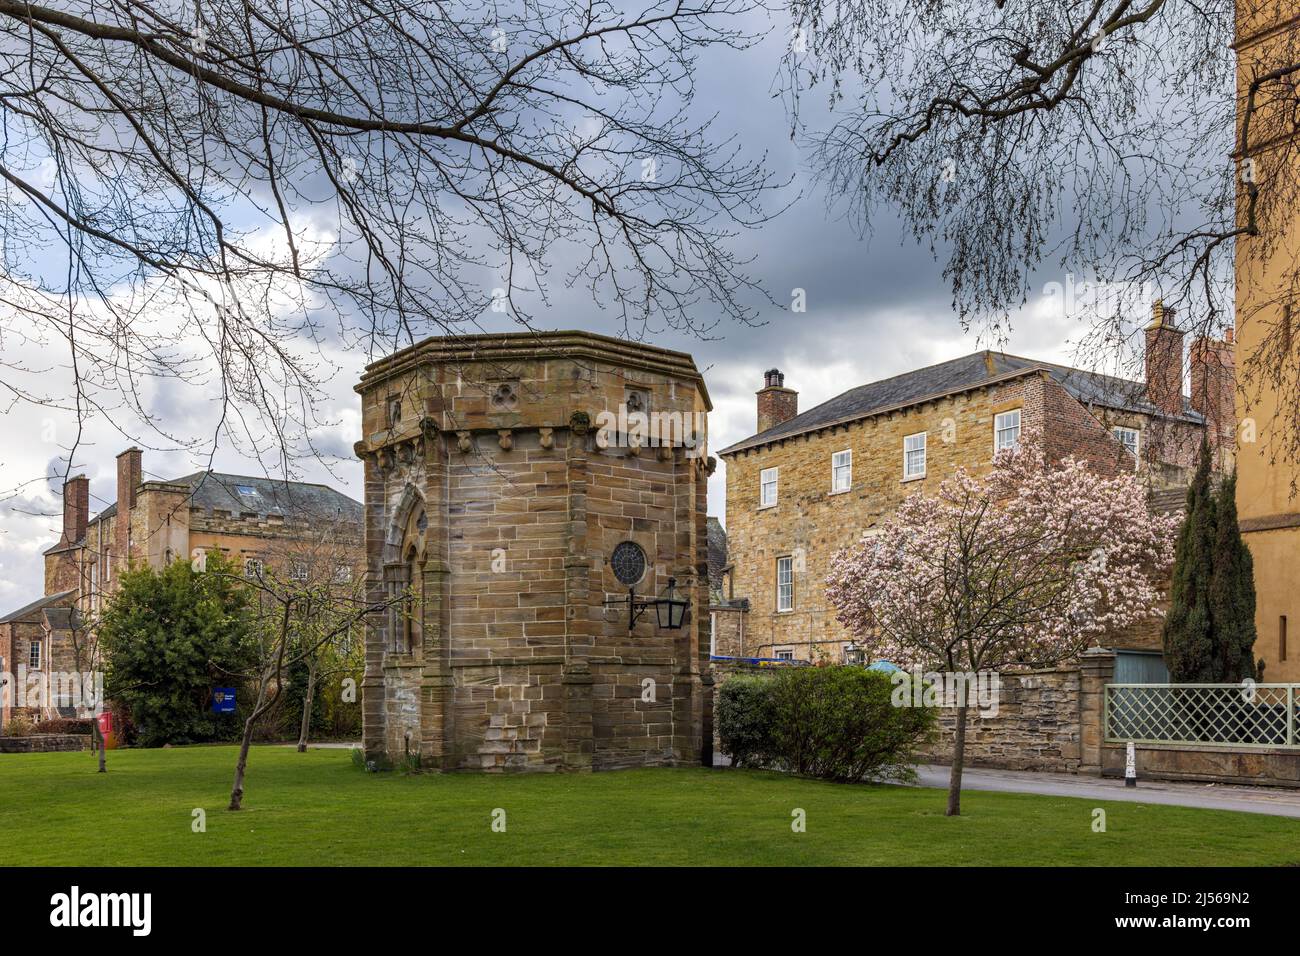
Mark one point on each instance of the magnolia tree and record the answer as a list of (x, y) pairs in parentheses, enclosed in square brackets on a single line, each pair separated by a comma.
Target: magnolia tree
[(1024, 565)]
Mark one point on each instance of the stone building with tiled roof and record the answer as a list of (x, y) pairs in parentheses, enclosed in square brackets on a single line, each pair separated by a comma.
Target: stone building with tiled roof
[(27, 638), (253, 522), (807, 484)]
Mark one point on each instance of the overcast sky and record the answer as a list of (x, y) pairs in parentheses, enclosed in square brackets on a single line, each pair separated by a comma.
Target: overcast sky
[(874, 308)]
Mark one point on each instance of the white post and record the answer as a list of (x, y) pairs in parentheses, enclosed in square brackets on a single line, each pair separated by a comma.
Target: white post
[(1290, 715), (1130, 766)]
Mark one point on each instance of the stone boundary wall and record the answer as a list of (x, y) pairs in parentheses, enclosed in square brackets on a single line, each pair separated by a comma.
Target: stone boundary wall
[(44, 743), (1051, 720), (1048, 720), (1258, 767), (1037, 726)]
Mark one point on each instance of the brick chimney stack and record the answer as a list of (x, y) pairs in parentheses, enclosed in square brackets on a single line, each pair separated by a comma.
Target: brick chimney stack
[(776, 403), (1164, 360), (129, 474), (1214, 385), (76, 509)]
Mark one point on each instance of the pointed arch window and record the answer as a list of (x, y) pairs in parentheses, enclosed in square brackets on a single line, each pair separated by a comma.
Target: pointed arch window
[(404, 580)]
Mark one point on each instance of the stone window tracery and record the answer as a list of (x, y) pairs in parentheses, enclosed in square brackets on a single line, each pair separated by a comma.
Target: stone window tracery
[(404, 581)]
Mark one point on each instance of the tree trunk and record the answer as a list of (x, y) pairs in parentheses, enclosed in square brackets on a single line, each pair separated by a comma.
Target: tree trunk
[(237, 791), (958, 759), (98, 738), (306, 709), (273, 672)]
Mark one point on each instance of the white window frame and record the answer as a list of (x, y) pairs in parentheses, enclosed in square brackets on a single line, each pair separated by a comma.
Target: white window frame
[(764, 482), (845, 466), (908, 474), (713, 634), (788, 561), (1137, 440), (998, 428), (783, 653), (255, 565), (342, 574), (34, 656), (298, 571)]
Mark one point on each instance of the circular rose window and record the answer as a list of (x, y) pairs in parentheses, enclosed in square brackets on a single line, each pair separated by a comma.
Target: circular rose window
[(628, 562)]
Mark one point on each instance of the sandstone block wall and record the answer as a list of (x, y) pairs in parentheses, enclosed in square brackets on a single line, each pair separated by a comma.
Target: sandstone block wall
[(811, 523), (1037, 726), (45, 743), (728, 635), (490, 488)]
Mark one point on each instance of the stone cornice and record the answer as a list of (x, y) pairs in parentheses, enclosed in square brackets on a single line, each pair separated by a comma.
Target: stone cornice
[(406, 441), (1269, 523), (530, 346), (1245, 41)]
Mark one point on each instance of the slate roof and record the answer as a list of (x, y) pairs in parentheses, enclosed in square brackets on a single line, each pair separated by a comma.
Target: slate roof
[(63, 618), (213, 490), (1168, 500), (717, 554), (37, 605), (959, 375)]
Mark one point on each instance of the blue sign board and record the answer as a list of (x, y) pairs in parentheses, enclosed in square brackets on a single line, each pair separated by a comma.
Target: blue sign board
[(223, 700)]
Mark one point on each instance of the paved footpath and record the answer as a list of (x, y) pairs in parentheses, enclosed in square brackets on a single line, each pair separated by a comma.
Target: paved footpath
[(1271, 800)]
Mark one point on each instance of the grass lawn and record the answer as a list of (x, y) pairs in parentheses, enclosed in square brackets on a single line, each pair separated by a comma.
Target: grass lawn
[(317, 809)]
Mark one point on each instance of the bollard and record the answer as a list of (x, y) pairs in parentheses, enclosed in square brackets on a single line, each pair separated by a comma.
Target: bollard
[(1130, 766)]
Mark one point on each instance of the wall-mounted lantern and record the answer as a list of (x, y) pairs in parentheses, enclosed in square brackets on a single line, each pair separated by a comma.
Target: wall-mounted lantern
[(629, 565), (670, 611)]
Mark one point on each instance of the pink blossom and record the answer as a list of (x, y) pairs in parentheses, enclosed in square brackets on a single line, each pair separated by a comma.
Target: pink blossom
[(1027, 564)]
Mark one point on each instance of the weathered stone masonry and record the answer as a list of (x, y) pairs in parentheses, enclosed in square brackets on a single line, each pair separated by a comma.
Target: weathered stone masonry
[(493, 504)]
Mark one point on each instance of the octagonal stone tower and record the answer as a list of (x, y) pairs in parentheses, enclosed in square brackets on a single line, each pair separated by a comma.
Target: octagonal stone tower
[(501, 472)]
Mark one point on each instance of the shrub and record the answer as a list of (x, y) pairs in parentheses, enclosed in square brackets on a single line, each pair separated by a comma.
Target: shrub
[(20, 725), (745, 720), (838, 723), (169, 636)]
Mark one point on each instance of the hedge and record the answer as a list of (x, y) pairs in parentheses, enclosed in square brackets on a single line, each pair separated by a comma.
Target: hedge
[(836, 722)]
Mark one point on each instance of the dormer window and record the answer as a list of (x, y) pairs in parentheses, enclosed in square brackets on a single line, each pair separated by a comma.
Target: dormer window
[(248, 491)]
